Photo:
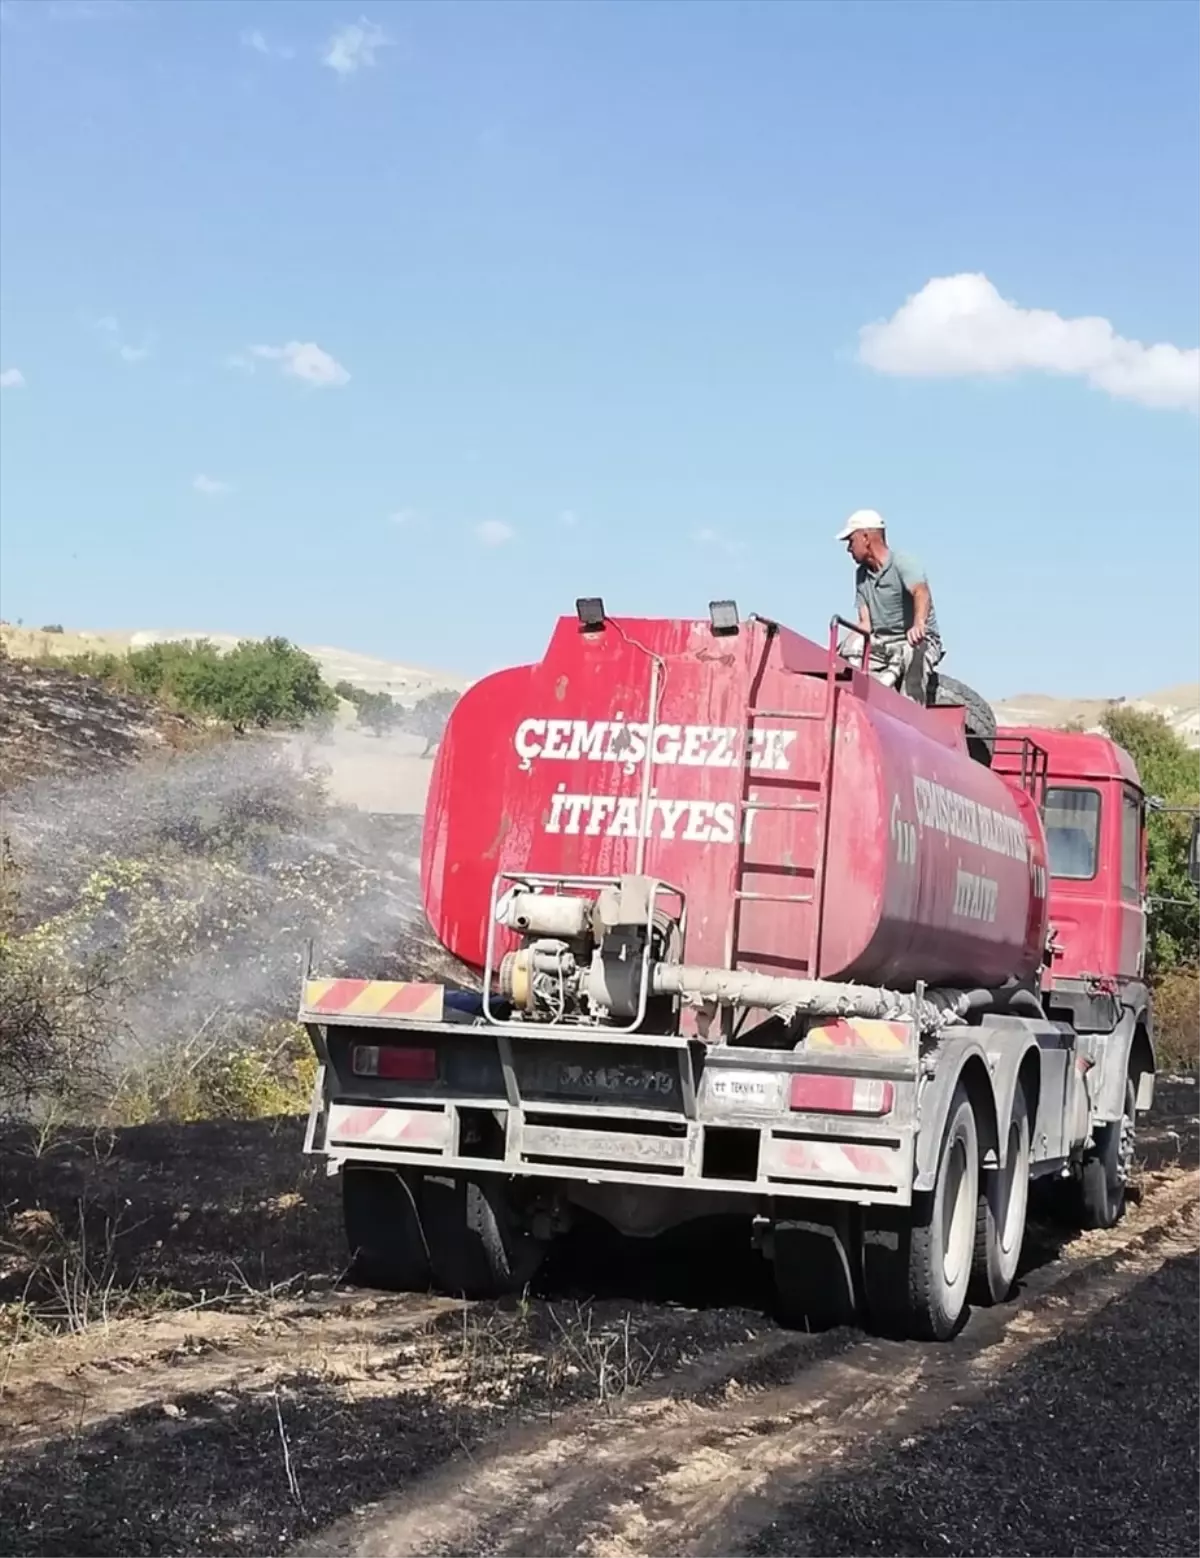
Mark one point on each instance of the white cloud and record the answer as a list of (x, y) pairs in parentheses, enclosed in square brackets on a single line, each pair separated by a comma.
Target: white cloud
[(494, 532), (12, 378), (110, 329), (256, 40), (210, 487), (960, 326), (712, 539), (301, 360), (354, 46)]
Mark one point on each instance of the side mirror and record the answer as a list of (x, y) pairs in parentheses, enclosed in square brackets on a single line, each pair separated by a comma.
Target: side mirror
[(1193, 866)]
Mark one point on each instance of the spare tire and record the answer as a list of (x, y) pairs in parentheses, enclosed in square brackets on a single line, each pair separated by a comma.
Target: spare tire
[(946, 692)]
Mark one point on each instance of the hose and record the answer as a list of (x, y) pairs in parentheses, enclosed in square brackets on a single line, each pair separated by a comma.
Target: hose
[(815, 997)]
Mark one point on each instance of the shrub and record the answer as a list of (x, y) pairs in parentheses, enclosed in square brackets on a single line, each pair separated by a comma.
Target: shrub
[(53, 627), (268, 1074), (1177, 1019), (52, 1048), (259, 683), (1169, 770)]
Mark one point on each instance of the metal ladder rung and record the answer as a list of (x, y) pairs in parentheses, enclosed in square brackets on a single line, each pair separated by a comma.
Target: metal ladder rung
[(808, 806), (754, 714), (740, 892)]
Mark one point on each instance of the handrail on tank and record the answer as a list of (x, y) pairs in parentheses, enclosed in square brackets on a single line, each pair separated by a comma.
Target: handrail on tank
[(836, 622), (1034, 772)]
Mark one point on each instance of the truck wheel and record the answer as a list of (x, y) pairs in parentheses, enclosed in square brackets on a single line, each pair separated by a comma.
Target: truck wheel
[(1105, 1172), (917, 1262), (945, 691), (1000, 1219), (814, 1270), (383, 1229), (476, 1246)]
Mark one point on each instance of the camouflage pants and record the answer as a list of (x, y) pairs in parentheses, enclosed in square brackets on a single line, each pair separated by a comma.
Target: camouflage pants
[(897, 663)]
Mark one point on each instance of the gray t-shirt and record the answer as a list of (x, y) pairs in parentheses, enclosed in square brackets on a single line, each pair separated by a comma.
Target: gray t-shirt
[(888, 594)]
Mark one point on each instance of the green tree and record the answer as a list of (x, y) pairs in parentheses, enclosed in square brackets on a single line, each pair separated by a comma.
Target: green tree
[(377, 712), (428, 717), (263, 683), (1170, 772)]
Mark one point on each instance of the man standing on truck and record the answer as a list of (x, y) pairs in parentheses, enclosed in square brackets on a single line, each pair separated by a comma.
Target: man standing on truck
[(895, 606)]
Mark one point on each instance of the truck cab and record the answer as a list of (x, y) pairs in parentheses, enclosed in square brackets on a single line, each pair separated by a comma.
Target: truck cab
[(1095, 819)]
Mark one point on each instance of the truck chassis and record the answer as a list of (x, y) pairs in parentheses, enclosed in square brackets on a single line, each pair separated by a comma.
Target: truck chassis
[(885, 1173)]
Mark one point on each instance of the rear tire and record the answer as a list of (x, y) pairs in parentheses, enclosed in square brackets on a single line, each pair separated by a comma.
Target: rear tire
[(1000, 1219), (477, 1247), (383, 1229), (917, 1262), (814, 1271), (946, 691)]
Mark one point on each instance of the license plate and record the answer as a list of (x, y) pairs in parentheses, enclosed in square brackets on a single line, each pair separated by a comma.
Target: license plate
[(760, 1091), (645, 1082)]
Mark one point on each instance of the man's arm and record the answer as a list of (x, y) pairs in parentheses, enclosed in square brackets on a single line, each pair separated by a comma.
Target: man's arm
[(864, 611), (912, 577), (922, 600)]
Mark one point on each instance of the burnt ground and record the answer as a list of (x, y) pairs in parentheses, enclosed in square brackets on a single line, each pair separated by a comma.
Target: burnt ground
[(196, 1377), (55, 721), (1088, 1446)]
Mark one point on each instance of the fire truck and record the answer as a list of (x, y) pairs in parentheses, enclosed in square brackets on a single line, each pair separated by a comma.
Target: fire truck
[(746, 931)]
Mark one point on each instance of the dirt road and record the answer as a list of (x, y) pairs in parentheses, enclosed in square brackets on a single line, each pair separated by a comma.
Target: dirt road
[(638, 1414)]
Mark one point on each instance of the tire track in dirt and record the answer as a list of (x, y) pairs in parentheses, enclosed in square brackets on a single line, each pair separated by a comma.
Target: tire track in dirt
[(699, 1463), (80, 1382)]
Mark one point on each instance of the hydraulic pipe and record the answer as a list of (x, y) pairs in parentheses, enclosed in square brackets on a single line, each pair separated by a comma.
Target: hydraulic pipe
[(817, 997)]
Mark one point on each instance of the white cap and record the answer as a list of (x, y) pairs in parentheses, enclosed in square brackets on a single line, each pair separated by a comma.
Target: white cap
[(861, 519)]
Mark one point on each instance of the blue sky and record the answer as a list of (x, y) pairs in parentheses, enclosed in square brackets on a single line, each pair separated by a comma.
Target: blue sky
[(576, 292)]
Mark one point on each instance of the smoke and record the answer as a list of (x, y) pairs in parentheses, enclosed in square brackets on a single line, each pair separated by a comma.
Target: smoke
[(201, 881)]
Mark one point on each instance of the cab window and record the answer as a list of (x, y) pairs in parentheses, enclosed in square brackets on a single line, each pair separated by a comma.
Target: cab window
[(1072, 832), (1131, 846)]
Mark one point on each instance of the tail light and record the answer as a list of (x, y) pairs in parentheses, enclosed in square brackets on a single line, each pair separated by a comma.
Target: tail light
[(394, 1062), (841, 1095)]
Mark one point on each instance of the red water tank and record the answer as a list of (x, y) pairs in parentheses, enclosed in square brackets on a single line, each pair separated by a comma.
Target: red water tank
[(933, 865)]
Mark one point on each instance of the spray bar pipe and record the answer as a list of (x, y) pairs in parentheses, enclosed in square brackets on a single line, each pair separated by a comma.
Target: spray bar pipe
[(815, 997)]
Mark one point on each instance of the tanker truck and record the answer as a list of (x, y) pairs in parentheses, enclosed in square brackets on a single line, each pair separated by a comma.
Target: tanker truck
[(745, 931)]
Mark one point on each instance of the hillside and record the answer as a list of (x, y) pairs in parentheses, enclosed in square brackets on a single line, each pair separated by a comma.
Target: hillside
[(1179, 705), (405, 683)]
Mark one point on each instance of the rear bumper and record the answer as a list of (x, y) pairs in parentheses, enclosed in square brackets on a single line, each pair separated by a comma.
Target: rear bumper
[(806, 1158), (727, 1127)]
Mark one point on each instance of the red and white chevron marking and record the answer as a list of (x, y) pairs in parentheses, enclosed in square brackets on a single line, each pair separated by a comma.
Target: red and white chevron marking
[(839, 1162), (364, 1125)]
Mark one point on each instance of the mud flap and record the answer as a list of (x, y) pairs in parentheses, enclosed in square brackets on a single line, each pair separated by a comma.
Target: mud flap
[(816, 1269)]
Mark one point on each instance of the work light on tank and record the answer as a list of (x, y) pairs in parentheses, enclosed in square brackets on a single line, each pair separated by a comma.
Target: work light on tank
[(590, 610), (723, 614)]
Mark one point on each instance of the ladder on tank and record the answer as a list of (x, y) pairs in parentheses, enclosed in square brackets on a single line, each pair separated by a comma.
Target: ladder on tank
[(808, 956)]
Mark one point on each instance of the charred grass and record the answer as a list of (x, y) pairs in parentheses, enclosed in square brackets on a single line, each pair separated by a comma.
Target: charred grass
[(253, 1471), (164, 1213), (230, 1214), (1087, 1446)]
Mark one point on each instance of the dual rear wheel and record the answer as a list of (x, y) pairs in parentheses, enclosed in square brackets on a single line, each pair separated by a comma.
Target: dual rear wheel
[(412, 1232), (911, 1271)]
